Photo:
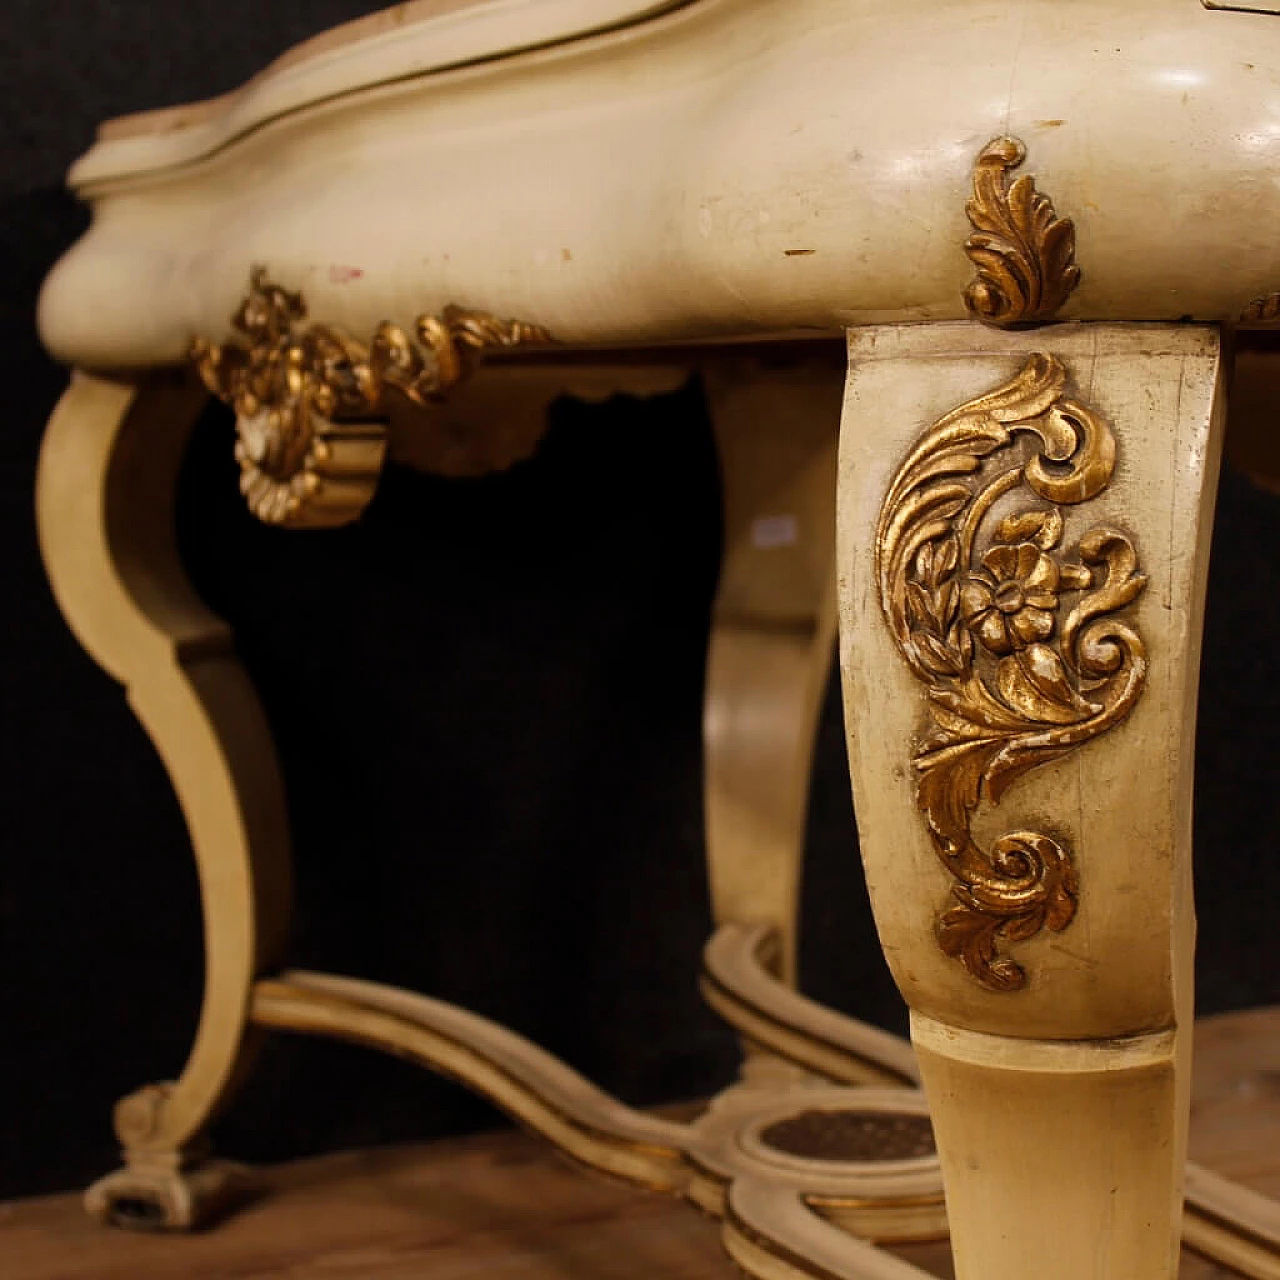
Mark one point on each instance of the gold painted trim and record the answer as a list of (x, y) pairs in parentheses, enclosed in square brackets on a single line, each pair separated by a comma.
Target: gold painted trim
[(1011, 683), (737, 1227), (309, 399), (1024, 253), (1242, 6), (1263, 312), (820, 1202), (730, 1005), (680, 1158), (287, 1005), (774, 1031), (1219, 1221)]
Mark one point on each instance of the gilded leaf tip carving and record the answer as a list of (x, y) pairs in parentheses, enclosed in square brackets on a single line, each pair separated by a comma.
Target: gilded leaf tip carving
[(304, 395), (1024, 253), (1016, 641), (1264, 312)]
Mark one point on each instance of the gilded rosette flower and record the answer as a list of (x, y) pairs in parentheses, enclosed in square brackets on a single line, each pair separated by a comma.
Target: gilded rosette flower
[(1009, 601)]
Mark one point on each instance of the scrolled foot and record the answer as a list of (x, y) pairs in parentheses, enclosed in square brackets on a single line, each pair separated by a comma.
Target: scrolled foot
[(161, 1193)]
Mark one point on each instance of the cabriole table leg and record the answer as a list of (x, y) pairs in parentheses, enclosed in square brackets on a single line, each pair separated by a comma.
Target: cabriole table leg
[(1023, 538), (772, 634), (105, 511)]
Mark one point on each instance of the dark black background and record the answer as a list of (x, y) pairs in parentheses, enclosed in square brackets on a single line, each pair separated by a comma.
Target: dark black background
[(487, 700)]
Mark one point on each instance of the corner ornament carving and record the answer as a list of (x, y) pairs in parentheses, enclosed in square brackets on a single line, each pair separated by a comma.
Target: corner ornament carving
[(1262, 313), (1024, 253), (1014, 677), (309, 399)]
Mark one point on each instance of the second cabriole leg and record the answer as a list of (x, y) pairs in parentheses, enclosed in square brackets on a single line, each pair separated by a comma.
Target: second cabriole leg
[(772, 634), (1023, 540), (105, 497)]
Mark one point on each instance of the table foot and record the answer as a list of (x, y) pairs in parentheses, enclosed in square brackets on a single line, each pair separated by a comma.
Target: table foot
[(154, 1195)]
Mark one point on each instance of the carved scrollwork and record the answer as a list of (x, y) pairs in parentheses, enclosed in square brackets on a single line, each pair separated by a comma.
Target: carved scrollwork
[(1262, 312), (138, 1116), (1024, 253), (309, 399), (1015, 677)]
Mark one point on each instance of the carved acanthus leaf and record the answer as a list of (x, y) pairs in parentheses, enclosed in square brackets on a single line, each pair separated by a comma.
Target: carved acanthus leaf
[(1024, 253)]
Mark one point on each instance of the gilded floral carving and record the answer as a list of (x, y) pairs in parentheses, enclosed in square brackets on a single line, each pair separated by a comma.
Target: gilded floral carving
[(1018, 642)]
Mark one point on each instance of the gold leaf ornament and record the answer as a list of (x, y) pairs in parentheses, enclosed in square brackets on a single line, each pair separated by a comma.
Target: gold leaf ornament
[(1016, 641), (1024, 253), (1263, 312), (309, 399)]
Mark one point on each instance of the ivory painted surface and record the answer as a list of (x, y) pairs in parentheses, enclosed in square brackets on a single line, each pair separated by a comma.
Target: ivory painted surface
[(1122, 802), (411, 38), (729, 167), (116, 580), (773, 632), (104, 501), (468, 1207), (1022, 486)]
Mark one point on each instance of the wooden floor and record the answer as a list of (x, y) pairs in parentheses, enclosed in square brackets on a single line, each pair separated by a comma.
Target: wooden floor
[(502, 1207)]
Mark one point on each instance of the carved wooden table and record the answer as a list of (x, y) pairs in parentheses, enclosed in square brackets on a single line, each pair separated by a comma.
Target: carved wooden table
[(605, 195)]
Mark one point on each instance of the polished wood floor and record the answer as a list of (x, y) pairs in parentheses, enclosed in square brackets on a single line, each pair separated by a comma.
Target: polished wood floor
[(503, 1207)]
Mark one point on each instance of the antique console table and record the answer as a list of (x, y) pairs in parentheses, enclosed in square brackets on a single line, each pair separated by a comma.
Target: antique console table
[(1039, 224)]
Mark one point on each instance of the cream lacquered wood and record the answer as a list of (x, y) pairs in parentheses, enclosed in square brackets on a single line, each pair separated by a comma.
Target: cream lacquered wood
[(772, 634), (1244, 6), (691, 176), (413, 39), (108, 467), (733, 167), (1066, 1100)]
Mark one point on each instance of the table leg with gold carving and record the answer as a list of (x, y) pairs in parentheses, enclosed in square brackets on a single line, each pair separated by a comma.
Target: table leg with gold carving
[(1023, 539), (104, 503)]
